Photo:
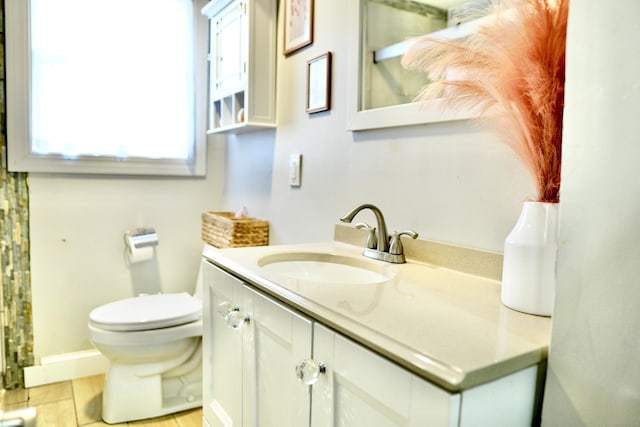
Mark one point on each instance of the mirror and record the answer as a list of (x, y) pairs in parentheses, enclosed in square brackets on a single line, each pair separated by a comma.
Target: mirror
[(381, 92)]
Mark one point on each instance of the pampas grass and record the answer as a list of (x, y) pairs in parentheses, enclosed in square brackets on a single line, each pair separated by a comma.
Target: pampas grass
[(512, 72)]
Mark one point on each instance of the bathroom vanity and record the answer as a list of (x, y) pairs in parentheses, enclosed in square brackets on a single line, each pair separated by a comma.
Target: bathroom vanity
[(317, 335)]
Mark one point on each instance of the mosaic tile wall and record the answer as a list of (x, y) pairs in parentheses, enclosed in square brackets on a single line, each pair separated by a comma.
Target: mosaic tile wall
[(15, 281)]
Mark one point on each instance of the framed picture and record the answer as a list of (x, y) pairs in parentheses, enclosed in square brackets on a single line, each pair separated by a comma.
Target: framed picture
[(298, 24), (319, 83)]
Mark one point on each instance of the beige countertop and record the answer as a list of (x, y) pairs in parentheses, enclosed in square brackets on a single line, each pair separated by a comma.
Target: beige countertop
[(444, 325)]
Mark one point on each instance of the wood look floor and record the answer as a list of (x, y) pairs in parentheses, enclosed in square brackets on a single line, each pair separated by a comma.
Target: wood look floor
[(79, 403)]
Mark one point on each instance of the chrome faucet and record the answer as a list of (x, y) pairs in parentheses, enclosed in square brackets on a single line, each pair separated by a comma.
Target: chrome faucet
[(382, 237), (387, 249)]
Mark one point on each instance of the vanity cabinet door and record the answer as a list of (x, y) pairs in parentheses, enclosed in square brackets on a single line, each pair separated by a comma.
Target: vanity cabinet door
[(362, 389), (251, 345), (275, 340), (228, 47), (222, 350)]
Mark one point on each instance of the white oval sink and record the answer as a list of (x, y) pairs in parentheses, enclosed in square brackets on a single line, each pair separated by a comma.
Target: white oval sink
[(324, 268)]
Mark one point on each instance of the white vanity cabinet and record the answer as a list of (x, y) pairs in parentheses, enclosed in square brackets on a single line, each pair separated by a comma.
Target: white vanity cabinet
[(253, 346), (222, 351), (242, 65), (360, 388)]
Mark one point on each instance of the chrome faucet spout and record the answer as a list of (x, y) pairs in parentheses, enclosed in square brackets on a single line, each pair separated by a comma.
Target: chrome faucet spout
[(383, 237), (387, 249)]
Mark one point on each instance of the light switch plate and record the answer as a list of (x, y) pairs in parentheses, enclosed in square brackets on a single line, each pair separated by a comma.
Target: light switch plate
[(295, 169)]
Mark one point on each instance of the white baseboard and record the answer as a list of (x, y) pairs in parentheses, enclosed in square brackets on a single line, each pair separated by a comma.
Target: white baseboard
[(64, 367)]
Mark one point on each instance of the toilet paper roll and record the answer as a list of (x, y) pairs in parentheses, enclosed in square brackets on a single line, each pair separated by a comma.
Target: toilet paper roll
[(139, 244), (136, 255)]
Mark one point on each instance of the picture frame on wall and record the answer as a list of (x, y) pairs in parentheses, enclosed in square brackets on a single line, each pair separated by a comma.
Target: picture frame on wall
[(319, 83), (298, 24)]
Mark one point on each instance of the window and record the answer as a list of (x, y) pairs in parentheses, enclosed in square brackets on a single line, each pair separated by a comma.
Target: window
[(106, 86)]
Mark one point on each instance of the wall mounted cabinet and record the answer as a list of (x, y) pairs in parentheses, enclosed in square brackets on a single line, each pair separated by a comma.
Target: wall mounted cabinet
[(242, 65), (266, 364)]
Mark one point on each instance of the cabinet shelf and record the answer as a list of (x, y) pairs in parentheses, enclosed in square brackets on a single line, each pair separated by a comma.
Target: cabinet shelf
[(451, 33)]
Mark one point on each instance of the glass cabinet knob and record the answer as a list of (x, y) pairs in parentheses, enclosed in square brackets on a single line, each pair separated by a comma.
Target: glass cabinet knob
[(309, 370), (232, 315), (224, 308), (236, 320)]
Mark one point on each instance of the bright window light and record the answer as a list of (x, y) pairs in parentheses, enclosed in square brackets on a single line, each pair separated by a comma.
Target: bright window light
[(110, 79)]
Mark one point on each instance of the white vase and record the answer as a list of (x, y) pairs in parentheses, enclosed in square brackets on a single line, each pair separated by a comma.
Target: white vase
[(529, 266)]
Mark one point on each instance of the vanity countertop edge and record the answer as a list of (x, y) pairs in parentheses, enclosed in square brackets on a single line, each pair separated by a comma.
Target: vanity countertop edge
[(443, 325)]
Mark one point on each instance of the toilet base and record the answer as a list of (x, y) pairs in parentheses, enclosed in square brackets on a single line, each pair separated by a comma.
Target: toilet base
[(129, 395)]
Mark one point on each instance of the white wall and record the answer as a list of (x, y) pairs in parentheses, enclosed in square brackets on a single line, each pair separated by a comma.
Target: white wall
[(594, 375), (450, 182), (77, 249)]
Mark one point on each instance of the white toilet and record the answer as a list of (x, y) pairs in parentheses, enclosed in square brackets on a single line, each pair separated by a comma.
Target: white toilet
[(153, 343)]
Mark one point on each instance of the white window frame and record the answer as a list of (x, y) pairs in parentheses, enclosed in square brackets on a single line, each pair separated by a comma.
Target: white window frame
[(18, 91)]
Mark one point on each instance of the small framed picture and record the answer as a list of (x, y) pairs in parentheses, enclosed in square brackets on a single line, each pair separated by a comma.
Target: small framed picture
[(298, 24), (319, 83)]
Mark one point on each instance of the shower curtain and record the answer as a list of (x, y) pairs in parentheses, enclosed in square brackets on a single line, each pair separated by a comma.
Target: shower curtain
[(15, 280)]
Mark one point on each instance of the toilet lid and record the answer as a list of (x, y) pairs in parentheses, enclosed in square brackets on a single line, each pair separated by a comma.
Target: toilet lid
[(147, 312)]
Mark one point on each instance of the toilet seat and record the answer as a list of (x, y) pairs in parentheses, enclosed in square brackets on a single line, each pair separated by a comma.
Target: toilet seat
[(147, 312)]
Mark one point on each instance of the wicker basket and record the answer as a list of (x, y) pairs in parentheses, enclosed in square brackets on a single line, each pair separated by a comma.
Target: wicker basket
[(223, 230)]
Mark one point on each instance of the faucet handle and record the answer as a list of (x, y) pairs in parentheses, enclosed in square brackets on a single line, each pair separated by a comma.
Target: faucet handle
[(372, 239), (395, 247)]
